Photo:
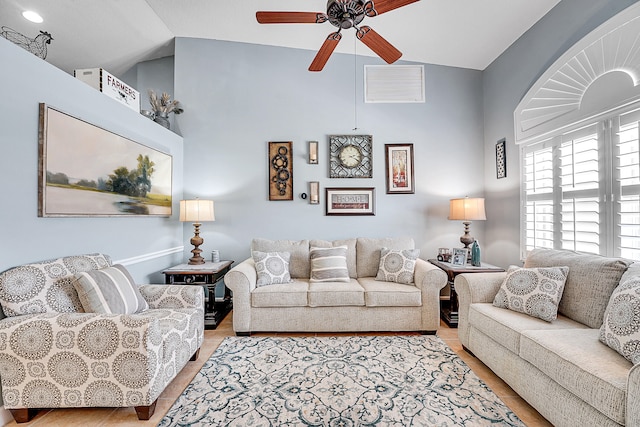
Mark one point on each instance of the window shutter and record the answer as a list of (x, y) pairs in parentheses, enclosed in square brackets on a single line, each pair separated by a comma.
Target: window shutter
[(627, 175)]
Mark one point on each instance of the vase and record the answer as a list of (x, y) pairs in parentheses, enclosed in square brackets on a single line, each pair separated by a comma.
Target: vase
[(162, 119), (475, 254)]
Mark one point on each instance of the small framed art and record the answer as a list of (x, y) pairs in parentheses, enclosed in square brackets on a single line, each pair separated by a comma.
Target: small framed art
[(350, 201), (399, 168), (459, 256), (501, 158)]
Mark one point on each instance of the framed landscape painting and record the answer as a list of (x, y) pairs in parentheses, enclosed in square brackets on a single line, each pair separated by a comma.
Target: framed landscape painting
[(87, 171)]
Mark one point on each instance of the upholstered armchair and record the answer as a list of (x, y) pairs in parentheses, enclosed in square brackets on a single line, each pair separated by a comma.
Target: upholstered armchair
[(55, 354)]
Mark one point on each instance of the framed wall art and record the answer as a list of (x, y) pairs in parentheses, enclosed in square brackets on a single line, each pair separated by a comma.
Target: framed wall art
[(350, 201), (87, 171), (501, 159), (350, 156), (280, 171), (399, 168)]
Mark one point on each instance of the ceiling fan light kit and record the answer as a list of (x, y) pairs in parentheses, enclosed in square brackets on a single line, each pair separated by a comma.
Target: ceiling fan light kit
[(343, 14)]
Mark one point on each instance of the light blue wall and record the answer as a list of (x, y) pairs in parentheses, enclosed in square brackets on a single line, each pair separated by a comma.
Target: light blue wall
[(24, 237), (505, 83), (238, 97)]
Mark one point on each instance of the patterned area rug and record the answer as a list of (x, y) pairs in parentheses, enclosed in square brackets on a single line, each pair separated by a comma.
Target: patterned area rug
[(342, 381)]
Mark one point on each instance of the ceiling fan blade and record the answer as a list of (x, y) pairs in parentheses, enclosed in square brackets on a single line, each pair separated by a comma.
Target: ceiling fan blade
[(378, 44), (291, 17), (378, 7), (325, 52)]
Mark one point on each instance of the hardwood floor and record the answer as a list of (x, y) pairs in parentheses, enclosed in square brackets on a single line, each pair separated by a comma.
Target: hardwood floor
[(126, 417)]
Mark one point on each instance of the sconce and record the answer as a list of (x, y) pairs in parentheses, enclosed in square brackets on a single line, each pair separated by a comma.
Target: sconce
[(313, 152), (314, 192)]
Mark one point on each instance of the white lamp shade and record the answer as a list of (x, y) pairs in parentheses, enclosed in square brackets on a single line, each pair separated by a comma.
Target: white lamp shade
[(196, 210), (467, 209)]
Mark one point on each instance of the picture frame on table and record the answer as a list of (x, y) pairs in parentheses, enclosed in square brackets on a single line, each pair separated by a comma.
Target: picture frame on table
[(399, 168), (459, 257), (350, 201)]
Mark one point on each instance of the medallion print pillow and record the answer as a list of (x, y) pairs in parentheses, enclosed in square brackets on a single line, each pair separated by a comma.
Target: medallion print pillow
[(533, 291), (397, 265), (621, 327), (272, 267)]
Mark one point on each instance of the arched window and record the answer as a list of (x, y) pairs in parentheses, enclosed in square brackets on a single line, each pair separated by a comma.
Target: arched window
[(578, 131)]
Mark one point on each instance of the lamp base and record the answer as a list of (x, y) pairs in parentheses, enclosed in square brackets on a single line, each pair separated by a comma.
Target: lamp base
[(466, 239), (196, 241)]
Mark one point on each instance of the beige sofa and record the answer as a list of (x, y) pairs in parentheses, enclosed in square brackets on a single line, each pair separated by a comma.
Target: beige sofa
[(53, 354), (559, 367), (362, 304)]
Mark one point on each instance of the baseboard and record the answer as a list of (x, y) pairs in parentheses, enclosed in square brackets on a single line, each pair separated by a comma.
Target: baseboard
[(5, 416), (150, 256)]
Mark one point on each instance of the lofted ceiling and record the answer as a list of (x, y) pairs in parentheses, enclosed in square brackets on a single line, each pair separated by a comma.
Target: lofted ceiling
[(116, 34)]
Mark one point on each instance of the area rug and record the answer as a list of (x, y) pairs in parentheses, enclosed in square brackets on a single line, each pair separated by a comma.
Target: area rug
[(340, 381)]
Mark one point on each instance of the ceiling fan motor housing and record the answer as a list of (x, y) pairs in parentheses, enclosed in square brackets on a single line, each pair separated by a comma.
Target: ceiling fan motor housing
[(345, 14)]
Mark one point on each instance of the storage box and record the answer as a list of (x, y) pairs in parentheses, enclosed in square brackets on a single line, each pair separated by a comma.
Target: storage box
[(111, 86)]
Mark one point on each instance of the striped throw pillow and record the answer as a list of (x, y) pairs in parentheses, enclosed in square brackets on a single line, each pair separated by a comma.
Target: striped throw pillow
[(109, 290), (329, 264)]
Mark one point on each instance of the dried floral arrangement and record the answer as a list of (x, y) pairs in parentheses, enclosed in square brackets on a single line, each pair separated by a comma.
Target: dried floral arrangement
[(164, 103)]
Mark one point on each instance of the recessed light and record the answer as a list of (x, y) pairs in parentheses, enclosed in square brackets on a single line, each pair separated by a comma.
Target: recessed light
[(32, 16)]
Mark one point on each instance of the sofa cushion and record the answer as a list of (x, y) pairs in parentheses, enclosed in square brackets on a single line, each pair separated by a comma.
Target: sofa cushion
[(621, 327), (533, 291), (292, 294), (576, 360), (46, 287), (397, 265), (351, 251), (368, 252), (591, 280), (336, 294), (389, 294), (505, 326), (271, 267), (328, 264), (109, 290), (299, 250)]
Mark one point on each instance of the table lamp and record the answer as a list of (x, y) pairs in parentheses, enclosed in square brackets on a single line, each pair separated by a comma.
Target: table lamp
[(196, 211), (467, 210)]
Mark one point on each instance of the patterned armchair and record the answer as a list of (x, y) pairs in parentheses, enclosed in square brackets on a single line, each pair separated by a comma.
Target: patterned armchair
[(55, 355)]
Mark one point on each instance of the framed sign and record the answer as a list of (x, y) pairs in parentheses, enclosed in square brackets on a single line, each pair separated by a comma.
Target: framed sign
[(85, 171), (350, 201), (399, 168), (280, 171)]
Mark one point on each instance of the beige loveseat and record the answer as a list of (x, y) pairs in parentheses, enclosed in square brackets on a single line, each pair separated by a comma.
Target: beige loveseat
[(559, 367), (361, 304), (54, 354)]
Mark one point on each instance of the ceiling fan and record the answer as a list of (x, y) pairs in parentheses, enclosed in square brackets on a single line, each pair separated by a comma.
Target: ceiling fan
[(343, 14)]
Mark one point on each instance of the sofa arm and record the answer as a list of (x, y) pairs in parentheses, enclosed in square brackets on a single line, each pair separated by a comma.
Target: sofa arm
[(81, 351), (474, 288), (429, 279), (242, 279), (633, 397), (173, 296)]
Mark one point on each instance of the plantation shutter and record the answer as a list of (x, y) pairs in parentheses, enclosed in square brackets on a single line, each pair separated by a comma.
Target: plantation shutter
[(627, 185), (539, 206)]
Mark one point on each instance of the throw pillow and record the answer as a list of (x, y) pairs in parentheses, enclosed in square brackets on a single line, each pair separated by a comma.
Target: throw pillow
[(272, 267), (397, 265), (329, 264), (621, 327), (533, 291), (110, 290)]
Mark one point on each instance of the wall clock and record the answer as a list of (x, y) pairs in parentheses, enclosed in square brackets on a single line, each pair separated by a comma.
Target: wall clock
[(350, 156)]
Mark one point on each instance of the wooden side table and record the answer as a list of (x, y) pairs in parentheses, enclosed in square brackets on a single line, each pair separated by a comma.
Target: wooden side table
[(209, 275), (449, 309)]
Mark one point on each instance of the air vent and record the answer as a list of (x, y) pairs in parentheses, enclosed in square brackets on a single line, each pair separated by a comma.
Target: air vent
[(393, 83)]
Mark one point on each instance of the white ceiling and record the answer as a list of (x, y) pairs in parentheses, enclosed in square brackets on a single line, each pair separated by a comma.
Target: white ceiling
[(116, 34)]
